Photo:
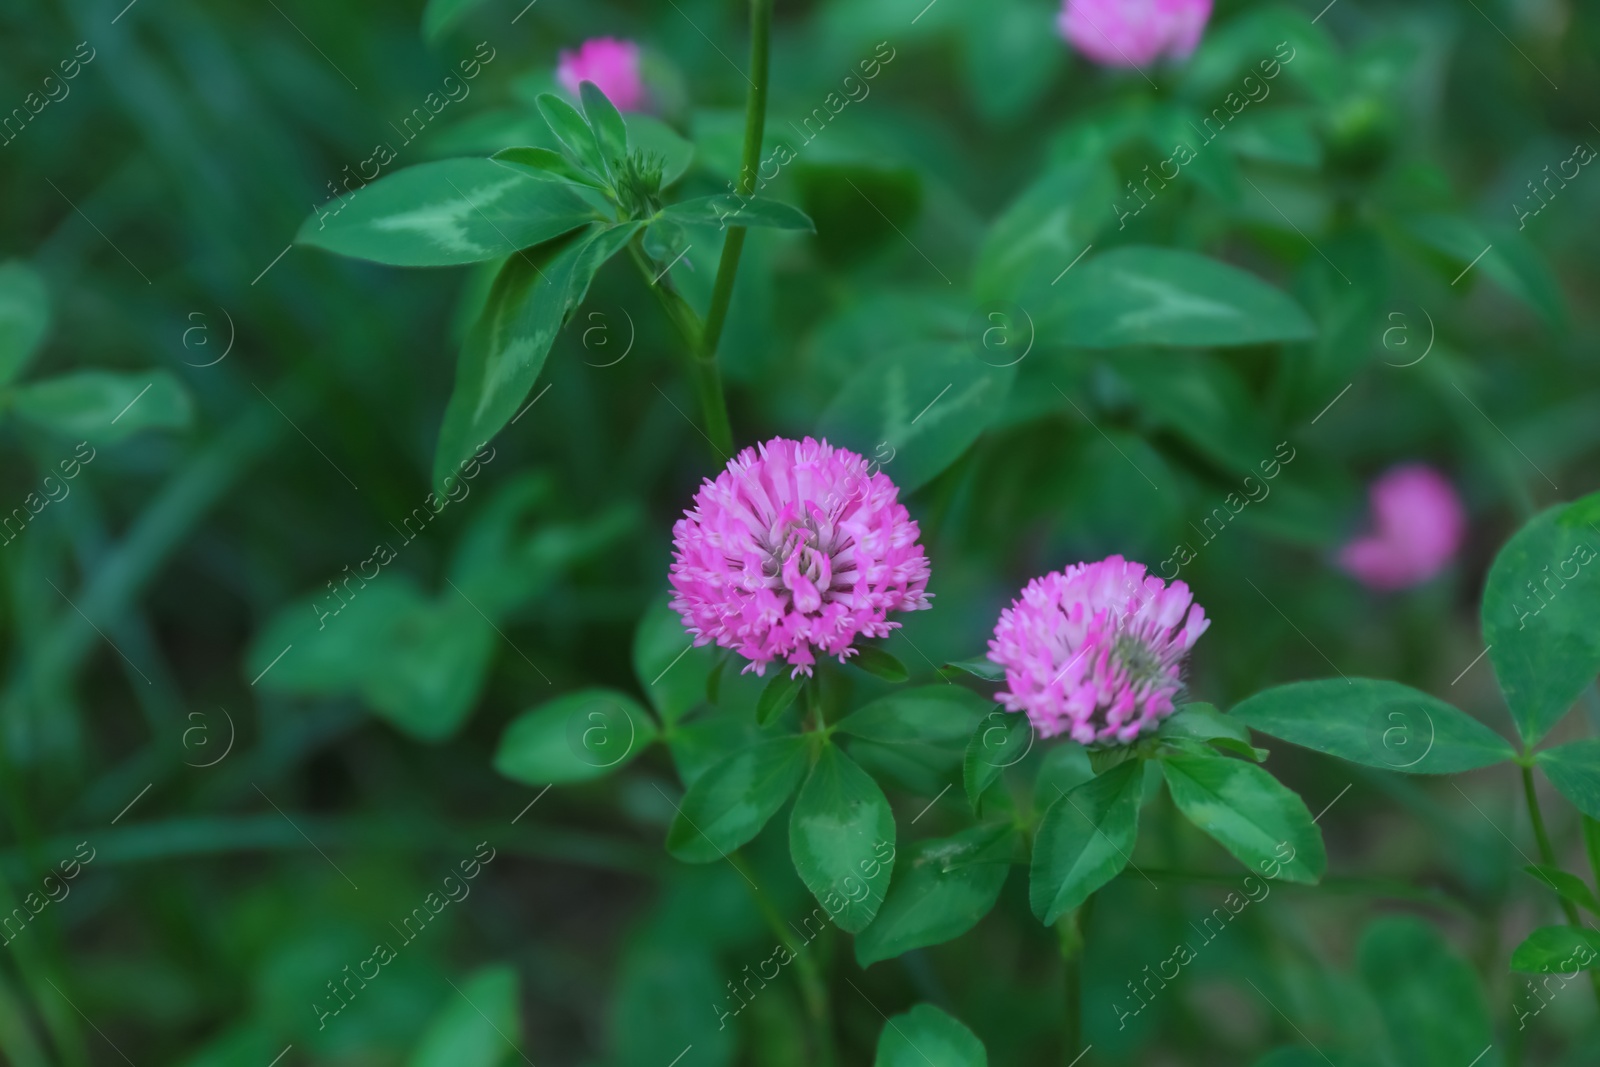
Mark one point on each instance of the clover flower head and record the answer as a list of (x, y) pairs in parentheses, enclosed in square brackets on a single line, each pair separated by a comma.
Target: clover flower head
[(1096, 651), (1131, 33), (1418, 526), (797, 547), (611, 64)]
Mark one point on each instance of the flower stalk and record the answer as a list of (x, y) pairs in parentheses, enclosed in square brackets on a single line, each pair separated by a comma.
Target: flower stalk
[(1548, 854), (702, 338), (813, 990), (1073, 931), (755, 121)]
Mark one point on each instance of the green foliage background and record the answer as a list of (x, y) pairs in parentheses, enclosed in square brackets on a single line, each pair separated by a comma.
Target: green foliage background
[(259, 818)]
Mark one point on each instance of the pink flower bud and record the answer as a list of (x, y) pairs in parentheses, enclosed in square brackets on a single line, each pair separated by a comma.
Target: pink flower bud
[(611, 64), (1419, 526), (1131, 33)]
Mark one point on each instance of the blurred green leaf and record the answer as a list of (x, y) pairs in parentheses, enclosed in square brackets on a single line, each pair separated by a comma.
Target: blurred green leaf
[(1044, 230), (730, 803), (1557, 950), (654, 137), (670, 669), (1101, 131), (1375, 723), (1001, 740), (418, 664), (445, 213), (670, 995), (1176, 124), (1085, 840), (1574, 769), (1566, 886), (879, 321), (929, 714), (921, 406), (439, 15), (437, 658), (1539, 605), (24, 316), (606, 121), (926, 1035), (544, 164), (921, 769), (481, 1027), (1265, 43), (708, 740), (941, 888), (573, 131), (104, 406), (1428, 996), (1135, 295), (1203, 722), (514, 548), (778, 695), (531, 300), (1292, 1057), (574, 738), (483, 133), (985, 669), (841, 837), (1500, 252), (857, 205), (1582, 512), (1347, 303), (878, 663), (1249, 813), (1010, 61), (1064, 767), (729, 209), (1286, 135), (1207, 404)]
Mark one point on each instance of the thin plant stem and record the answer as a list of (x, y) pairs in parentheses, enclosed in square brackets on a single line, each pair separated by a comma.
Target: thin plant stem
[(755, 121), (1591, 845), (702, 373), (701, 339), (1548, 854), (813, 991), (1591, 828), (1542, 836), (814, 708), (1074, 936)]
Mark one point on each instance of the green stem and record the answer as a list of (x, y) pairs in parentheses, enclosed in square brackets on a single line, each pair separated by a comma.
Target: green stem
[(702, 338), (38, 963), (812, 989), (1591, 845), (815, 709), (1548, 854), (755, 120), (702, 373), (1542, 836), (1074, 932)]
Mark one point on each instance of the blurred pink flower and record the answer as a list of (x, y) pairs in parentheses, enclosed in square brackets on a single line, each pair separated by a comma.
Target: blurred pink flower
[(1096, 651), (796, 546), (1129, 33), (1420, 524), (611, 64)]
